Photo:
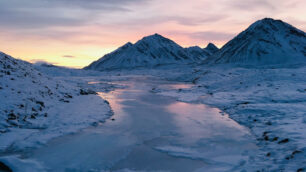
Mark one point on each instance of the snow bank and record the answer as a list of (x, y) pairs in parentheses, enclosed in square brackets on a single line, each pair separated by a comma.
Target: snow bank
[(36, 108), (270, 101)]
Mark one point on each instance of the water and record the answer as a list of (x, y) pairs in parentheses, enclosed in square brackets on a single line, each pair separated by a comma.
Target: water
[(153, 133)]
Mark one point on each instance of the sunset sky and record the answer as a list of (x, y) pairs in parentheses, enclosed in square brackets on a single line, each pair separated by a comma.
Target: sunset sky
[(76, 32)]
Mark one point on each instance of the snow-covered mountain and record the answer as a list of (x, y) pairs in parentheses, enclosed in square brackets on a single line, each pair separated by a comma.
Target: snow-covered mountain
[(201, 53), (211, 48), (266, 41), (197, 52), (150, 51)]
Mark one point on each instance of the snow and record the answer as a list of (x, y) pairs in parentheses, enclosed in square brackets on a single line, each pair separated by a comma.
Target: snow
[(151, 51), (211, 48), (198, 52), (265, 42), (257, 79), (268, 100), (36, 108)]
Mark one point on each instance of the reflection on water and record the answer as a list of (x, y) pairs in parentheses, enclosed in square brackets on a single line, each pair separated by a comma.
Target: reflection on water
[(199, 120), (206, 134), (94, 82), (179, 86), (152, 132)]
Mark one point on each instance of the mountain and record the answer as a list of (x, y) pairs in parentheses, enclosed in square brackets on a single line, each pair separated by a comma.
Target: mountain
[(197, 52), (266, 41), (201, 53), (211, 48), (150, 51)]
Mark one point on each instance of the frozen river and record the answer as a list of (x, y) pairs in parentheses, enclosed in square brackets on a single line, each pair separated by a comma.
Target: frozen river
[(151, 132)]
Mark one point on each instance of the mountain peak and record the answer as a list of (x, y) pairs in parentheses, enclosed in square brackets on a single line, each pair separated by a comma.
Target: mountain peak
[(155, 38), (211, 45), (127, 45), (266, 41), (150, 51), (266, 21), (268, 25), (211, 48)]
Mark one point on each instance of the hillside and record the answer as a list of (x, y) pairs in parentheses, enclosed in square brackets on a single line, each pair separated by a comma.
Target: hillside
[(150, 51), (267, 41)]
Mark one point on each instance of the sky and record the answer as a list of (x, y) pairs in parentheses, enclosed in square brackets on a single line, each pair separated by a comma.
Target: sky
[(74, 33)]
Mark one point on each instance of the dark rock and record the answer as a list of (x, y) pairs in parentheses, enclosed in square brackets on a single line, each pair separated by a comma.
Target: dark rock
[(300, 170), (283, 141), (275, 139), (95, 124), (292, 154), (296, 152), (194, 81), (63, 100), (12, 116), (87, 92), (68, 96), (40, 103), (5, 168)]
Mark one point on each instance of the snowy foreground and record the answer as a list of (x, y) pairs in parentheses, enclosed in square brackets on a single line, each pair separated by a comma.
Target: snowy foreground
[(162, 117), (36, 108), (270, 101)]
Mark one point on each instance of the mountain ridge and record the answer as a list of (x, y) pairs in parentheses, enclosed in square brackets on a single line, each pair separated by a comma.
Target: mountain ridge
[(150, 51), (266, 41)]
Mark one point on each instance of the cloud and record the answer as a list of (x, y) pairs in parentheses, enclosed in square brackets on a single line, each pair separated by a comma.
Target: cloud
[(26, 19), (85, 28), (52, 13), (40, 62), (95, 4), (68, 56), (252, 4), (198, 21), (212, 35)]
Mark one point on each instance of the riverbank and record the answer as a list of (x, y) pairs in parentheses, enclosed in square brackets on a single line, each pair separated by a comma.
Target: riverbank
[(270, 101)]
